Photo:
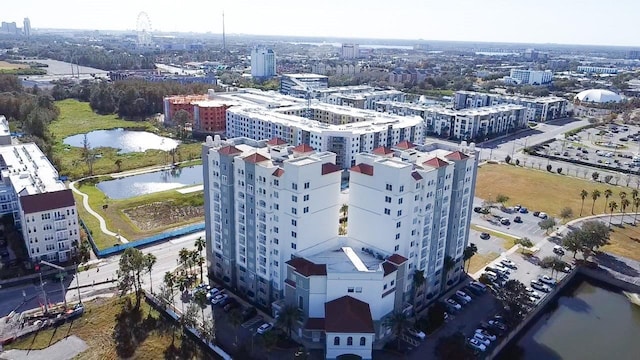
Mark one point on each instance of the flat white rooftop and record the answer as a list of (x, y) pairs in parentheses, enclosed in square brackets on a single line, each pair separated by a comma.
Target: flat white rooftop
[(346, 259), (29, 170)]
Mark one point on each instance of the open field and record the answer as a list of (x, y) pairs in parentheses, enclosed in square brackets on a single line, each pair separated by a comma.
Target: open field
[(77, 118), (543, 191), (111, 333), (142, 216), (9, 66), (478, 261)]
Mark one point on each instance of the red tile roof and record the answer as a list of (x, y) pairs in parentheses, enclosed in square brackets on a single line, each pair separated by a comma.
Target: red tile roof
[(388, 268), (382, 150), (363, 169), (314, 324), (416, 176), (328, 168), (46, 201), (255, 158), (276, 141), (405, 145), (436, 162), (304, 148), (347, 315), (279, 172), (229, 150), (457, 155), (306, 268), (397, 259)]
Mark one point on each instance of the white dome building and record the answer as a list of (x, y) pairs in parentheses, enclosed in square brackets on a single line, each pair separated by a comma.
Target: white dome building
[(599, 96)]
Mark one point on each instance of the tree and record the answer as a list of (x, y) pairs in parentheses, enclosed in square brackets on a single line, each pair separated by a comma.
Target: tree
[(624, 203), (180, 119), (501, 198), (165, 297), (468, 253), (571, 242), (547, 224), (583, 195), (189, 318), (515, 300), (566, 213), (525, 243), (623, 195), (200, 244), (608, 178), (149, 261), (448, 264), (595, 175), (607, 195), (636, 205), (612, 206), (184, 255), (118, 163), (436, 313), (287, 318), (170, 282), (595, 194), (207, 330), (418, 282), (132, 266), (235, 319), (507, 159), (453, 347), (549, 168), (554, 263), (398, 322), (593, 235)]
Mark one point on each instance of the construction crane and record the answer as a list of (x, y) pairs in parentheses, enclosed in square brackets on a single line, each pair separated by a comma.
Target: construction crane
[(61, 275)]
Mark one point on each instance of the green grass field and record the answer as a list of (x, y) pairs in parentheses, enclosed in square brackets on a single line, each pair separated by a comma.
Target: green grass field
[(550, 192), (77, 118)]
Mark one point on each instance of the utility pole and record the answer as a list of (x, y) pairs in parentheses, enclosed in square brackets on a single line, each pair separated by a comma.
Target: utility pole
[(77, 283), (60, 268), (44, 293)]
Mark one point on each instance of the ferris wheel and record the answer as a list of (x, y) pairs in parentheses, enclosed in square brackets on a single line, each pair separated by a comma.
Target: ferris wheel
[(143, 29)]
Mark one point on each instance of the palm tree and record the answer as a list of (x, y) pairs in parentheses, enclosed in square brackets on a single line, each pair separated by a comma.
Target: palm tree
[(235, 319), (200, 245), (182, 282), (468, 253), (200, 297), (193, 258), (398, 322), (583, 195), (636, 205), (634, 193), (149, 261), (447, 266), (287, 317), (607, 195), (183, 256), (170, 282), (623, 206), (623, 195), (118, 164), (595, 194), (612, 206), (418, 282)]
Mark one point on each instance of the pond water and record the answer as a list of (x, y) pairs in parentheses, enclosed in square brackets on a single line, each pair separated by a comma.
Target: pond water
[(125, 140), (136, 185), (590, 323)]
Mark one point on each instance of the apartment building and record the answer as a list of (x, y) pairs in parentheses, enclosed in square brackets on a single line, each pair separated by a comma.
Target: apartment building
[(539, 109), (209, 117), (350, 51), (365, 100), (474, 123), (597, 70), (173, 104), (299, 85), (40, 204), (263, 63), (530, 77), (323, 127), (272, 211)]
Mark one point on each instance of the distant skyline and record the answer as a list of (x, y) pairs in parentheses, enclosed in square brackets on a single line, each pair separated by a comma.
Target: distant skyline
[(584, 22)]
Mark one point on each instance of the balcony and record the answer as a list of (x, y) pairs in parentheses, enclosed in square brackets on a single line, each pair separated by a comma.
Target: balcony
[(59, 217)]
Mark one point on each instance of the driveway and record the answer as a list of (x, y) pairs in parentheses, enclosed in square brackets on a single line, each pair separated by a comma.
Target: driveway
[(67, 348)]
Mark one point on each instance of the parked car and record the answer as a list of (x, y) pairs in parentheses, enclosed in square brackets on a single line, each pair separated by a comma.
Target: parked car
[(503, 270), (543, 215), (477, 209), (517, 219), (540, 286), (505, 221), (264, 328), (463, 295), (508, 263), (496, 324), (559, 250), (533, 293), (491, 275), (547, 280), (536, 213), (417, 333), (219, 298), (226, 301), (476, 345), (485, 236), (523, 210), (517, 207), (486, 334), (477, 288), (213, 292), (453, 304), (483, 340)]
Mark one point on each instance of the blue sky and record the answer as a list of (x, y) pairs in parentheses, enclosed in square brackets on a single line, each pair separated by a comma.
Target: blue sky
[(537, 21)]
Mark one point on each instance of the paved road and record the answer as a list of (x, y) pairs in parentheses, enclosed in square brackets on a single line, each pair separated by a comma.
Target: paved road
[(64, 349)]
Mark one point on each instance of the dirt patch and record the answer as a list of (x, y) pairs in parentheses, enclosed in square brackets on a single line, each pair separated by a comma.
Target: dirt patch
[(160, 214)]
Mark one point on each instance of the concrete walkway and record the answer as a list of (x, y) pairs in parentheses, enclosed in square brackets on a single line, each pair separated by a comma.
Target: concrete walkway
[(65, 349)]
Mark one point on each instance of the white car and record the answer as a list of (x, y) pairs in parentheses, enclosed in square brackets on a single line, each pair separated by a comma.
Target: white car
[(264, 328), (483, 340), (540, 286), (219, 298), (543, 215), (417, 333), (453, 304), (213, 292), (486, 334), (497, 324), (508, 263), (533, 293), (477, 345), (505, 270), (462, 294), (547, 280)]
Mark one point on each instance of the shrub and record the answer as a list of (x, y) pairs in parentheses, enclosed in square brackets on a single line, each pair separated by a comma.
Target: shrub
[(549, 167)]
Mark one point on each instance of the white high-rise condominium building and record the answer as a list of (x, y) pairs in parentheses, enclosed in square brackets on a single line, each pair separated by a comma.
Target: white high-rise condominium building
[(263, 63), (531, 77), (272, 228), (350, 51)]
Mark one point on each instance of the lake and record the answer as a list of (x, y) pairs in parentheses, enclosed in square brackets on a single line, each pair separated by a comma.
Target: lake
[(136, 185), (589, 323), (125, 140)]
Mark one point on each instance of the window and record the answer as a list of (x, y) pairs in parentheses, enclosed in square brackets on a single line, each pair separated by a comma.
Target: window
[(305, 210), (358, 289), (306, 185), (387, 211), (389, 187), (400, 201), (276, 241), (401, 188), (399, 212), (276, 182), (349, 341), (294, 198), (294, 222), (275, 229), (398, 224), (398, 236), (363, 341), (300, 302), (396, 248), (336, 340), (294, 211), (306, 197), (294, 186), (387, 199), (294, 235), (350, 289)]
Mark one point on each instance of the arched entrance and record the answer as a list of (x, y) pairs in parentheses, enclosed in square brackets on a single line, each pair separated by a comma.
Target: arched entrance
[(349, 357)]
